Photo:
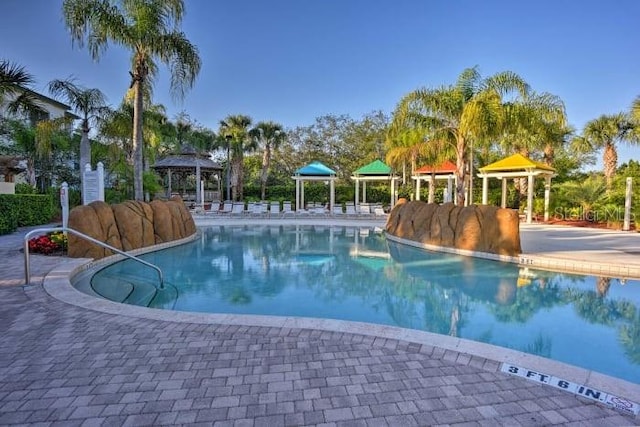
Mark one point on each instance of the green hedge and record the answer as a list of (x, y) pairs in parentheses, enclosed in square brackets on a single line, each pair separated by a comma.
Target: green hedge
[(318, 192), (20, 210)]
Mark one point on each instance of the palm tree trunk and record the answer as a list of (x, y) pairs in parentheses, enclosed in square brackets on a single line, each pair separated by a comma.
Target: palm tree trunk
[(610, 162), (266, 160), (460, 171), (137, 141), (85, 151), (549, 154), (432, 187)]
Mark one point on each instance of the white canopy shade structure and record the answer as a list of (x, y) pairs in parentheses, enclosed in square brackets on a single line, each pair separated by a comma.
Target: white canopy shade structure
[(374, 171), (445, 170), (518, 166), (314, 171)]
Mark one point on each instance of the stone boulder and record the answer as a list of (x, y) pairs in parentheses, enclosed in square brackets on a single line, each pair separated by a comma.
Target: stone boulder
[(476, 228), (127, 226)]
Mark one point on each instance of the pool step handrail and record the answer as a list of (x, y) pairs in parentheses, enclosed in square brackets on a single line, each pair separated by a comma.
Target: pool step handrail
[(27, 237)]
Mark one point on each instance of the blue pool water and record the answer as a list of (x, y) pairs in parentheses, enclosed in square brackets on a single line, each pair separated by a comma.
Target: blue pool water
[(356, 274)]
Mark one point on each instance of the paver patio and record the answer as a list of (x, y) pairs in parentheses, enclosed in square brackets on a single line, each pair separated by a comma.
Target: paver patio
[(65, 365)]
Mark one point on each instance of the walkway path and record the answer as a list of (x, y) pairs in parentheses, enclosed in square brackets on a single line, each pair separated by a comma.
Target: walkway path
[(66, 365)]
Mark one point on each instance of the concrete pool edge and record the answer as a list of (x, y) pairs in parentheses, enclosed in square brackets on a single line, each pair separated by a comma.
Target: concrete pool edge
[(561, 265), (58, 284)]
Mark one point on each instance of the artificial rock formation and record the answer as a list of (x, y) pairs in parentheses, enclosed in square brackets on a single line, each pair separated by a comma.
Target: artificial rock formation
[(127, 226), (477, 228)]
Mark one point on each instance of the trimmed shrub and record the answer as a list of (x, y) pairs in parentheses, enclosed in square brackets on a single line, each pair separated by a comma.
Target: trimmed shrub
[(20, 210)]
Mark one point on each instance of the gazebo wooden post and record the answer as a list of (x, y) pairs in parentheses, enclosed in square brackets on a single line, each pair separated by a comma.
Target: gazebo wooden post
[(530, 198), (302, 194), (393, 192), (503, 202), (418, 187), (364, 191), (485, 190), (449, 198), (547, 192), (169, 191), (357, 193), (297, 192), (332, 197)]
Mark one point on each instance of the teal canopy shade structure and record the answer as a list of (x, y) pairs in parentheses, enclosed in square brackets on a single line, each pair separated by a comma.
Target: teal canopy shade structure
[(314, 171), (374, 171)]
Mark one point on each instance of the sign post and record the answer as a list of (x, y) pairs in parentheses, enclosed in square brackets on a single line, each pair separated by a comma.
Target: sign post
[(627, 206), (64, 203)]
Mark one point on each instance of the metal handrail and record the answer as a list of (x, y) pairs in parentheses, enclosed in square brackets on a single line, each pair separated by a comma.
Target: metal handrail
[(27, 270)]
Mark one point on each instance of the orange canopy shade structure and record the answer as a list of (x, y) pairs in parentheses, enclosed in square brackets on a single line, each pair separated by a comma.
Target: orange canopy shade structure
[(445, 170)]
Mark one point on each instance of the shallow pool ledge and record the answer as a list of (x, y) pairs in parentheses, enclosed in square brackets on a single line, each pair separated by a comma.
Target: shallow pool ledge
[(563, 265), (57, 283)]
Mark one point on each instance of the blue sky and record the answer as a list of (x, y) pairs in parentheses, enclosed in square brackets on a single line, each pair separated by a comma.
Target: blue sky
[(294, 60)]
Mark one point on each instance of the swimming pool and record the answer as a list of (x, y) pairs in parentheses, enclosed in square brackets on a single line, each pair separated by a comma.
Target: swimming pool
[(356, 274)]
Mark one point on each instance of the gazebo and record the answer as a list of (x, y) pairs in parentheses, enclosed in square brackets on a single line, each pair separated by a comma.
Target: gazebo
[(445, 170), (185, 164), (374, 171), (314, 171), (518, 166)]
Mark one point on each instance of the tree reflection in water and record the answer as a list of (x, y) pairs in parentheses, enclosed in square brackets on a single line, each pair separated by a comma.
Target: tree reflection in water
[(361, 273)]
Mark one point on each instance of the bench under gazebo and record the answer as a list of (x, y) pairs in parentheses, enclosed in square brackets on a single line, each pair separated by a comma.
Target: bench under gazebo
[(518, 166)]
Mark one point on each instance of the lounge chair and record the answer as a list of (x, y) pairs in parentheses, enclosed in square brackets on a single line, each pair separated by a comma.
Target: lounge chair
[(364, 209), (274, 208), (286, 210), (379, 212), (337, 210), (226, 208), (351, 210), (238, 209)]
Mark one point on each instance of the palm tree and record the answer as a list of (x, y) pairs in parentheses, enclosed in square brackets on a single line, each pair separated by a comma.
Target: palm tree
[(471, 110), (269, 135), (150, 29), (604, 132), (90, 104), (235, 129), (14, 83)]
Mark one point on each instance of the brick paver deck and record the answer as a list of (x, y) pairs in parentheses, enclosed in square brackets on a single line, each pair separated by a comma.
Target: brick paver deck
[(65, 365)]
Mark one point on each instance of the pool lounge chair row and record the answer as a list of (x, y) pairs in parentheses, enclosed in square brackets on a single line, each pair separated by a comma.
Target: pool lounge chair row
[(267, 209)]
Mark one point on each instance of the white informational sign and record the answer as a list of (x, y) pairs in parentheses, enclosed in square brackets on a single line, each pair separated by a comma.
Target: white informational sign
[(64, 203), (93, 184), (615, 402)]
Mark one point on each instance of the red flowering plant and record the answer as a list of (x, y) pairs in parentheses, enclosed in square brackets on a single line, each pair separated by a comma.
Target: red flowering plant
[(49, 243)]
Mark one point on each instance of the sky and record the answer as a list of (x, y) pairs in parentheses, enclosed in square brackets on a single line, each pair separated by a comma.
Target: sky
[(292, 61)]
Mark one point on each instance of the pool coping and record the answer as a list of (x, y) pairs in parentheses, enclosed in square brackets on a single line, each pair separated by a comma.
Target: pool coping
[(58, 284), (562, 265)]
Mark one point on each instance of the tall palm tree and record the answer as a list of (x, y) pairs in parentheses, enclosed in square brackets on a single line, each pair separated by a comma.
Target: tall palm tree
[(605, 132), (14, 88), (470, 110), (235, 129), (269, 135), (150, 29), (90, 104)]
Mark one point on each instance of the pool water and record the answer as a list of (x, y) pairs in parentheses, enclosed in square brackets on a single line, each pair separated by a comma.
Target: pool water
[(355, 274)]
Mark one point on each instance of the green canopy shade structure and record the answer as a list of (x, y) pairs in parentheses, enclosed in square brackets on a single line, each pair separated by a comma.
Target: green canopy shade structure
[(374, 171), (445, 170), (314, 171), (518, 166)]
